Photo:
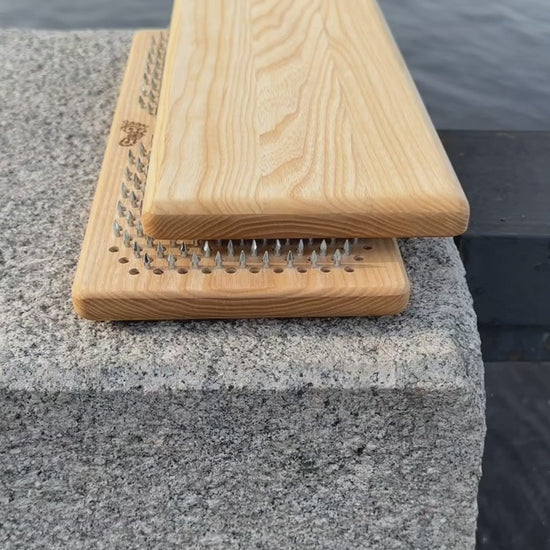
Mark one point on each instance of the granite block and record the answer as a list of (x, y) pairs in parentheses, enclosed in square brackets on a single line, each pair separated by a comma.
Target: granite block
[(311, 433)]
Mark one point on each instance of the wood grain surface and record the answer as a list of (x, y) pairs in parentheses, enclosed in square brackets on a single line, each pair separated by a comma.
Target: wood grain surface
[(115, 281), (294, 118)]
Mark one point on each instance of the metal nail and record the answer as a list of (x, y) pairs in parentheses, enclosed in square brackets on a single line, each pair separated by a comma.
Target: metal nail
[(207, 250), (314, 259), (290, 259), (277, 250), (347, 248), (139, 229), (117, 229), (130, 218), (195, 261), (171, 261), (337, 258), (127, 239), (230, 249), (133, 199), (160, 250), (254, 249), (242, 259), (147, 261), (300, 248), (218, 259), (323, 248), (265, 259)]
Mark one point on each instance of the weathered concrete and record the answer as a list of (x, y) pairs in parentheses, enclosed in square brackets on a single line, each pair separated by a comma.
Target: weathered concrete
[(338, 433)]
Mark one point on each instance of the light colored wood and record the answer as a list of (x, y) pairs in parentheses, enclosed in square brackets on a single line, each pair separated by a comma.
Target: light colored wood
[(371, 280), (294, 117)]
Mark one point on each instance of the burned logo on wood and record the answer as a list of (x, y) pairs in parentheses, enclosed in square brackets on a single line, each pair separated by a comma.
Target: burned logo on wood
[(134, 130)]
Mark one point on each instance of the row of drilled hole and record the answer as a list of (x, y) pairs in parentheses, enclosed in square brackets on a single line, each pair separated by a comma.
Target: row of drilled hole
[(207, 270)]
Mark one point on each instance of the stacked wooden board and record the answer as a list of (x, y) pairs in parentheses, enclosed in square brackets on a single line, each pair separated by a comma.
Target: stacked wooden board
[(290, 148)]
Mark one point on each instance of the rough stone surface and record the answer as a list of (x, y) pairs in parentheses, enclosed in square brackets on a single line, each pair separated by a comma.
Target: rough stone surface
[(338, 433)]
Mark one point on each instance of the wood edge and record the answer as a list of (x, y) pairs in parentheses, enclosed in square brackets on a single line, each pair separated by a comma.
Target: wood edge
[(97, 308), (443, 223), (160, 122), (78, 294)]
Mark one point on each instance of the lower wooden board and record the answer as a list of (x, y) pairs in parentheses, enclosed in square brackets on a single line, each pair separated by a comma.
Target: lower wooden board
[(124, 274)]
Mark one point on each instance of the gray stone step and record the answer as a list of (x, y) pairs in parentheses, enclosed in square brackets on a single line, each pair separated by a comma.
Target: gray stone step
[(334, 433)]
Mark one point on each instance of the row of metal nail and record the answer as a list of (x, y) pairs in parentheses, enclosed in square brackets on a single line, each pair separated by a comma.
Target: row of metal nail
[(315, 259), (152, 76)]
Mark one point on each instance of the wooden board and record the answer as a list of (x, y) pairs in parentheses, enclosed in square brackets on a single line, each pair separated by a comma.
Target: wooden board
[(113, 281), (291, 118)]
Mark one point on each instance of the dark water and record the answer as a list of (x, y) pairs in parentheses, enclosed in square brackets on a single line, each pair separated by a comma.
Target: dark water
[(479, 64)]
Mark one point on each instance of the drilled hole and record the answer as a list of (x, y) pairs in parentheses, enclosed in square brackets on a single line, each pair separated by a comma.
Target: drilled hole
[(206, 270), (367, 247), (349, 269), (230, 270), (278, 270), (302, 270), (113, 249), (134, 271), (158, 271), (123, 260), (358, 258), (254, 270), (325, 270), (182, 270)]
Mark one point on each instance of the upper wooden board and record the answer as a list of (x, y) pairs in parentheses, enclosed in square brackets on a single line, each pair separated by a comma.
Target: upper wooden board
[(293, 118)]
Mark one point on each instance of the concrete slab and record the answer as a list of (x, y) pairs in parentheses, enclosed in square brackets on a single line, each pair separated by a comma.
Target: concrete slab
[(334, 433)]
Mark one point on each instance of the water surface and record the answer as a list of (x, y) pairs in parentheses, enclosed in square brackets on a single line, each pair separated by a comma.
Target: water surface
[(479, 64)]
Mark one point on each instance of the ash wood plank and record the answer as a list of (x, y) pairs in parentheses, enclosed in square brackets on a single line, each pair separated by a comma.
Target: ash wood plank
[(294, 117), (113, 282)]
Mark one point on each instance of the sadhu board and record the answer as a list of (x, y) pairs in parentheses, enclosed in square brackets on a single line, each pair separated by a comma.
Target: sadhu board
[(125, 273)]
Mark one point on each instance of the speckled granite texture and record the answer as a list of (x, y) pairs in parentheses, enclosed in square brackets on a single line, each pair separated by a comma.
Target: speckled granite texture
[(352, 433)]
